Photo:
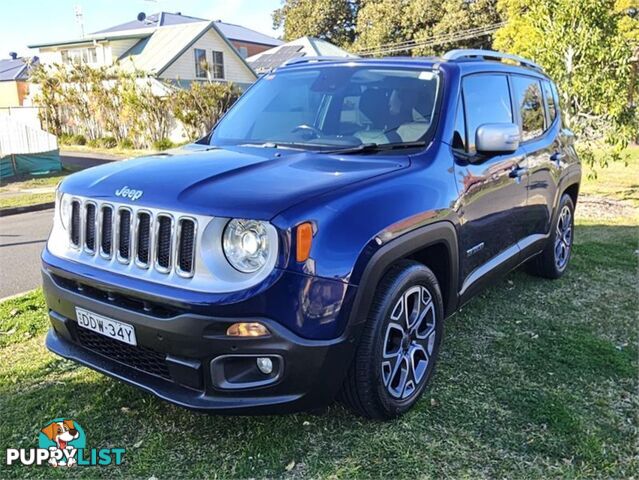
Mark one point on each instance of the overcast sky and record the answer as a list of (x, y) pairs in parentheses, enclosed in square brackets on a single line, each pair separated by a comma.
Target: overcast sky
[(25, 22)]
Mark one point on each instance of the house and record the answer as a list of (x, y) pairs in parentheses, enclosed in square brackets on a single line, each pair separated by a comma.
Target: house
[(168, 46), (302, 47), (14, 73)]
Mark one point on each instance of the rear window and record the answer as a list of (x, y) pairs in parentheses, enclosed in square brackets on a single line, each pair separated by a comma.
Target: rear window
[(527, 94), (551, 104)]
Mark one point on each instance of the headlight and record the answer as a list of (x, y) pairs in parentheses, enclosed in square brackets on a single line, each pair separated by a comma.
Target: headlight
[(246, 244), (63, 207)]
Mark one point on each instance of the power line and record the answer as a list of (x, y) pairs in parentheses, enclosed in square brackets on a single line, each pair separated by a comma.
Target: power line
[(430, 42)]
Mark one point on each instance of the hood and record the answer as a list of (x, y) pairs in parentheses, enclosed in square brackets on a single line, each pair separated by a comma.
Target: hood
[(242, 182)]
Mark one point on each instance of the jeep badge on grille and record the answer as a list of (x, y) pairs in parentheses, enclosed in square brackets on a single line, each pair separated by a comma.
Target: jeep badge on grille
[(131, 194)]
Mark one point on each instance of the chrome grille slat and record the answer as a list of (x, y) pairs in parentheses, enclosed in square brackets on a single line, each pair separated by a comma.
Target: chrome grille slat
[(185, 251), (90, 227), (106, 231), (143, 236), (134, 237), (164, 243), (124, 235), (75, 224)]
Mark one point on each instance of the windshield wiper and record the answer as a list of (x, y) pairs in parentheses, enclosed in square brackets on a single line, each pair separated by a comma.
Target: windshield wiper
[(375, 147)]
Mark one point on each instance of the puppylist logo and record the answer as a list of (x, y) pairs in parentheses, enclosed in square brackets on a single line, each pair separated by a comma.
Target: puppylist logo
[(62, 443)]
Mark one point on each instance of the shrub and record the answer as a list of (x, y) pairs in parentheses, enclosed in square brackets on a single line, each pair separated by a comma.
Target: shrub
[(163, 144), (65, 139), (78, 139), (125, 143), (94, 142), (108, 142)]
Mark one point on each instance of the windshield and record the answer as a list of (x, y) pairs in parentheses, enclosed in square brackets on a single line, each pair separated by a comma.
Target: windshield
[(333, 106)]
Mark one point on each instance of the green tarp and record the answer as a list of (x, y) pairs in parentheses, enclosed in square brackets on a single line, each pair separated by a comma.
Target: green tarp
[(30, 163)]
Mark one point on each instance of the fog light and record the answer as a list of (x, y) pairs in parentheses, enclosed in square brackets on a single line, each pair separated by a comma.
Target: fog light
[(265, 365), (247, 329)]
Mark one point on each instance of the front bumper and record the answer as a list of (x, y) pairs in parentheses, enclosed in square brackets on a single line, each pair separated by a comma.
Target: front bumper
[(176, 353)]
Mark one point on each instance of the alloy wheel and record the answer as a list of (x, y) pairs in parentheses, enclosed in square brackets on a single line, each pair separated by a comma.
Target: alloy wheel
[(563, 238), (408, 342)]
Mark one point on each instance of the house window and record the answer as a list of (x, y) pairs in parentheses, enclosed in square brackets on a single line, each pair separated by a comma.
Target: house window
[(79, 55), (243, 51), (201, 66), (218, 64)]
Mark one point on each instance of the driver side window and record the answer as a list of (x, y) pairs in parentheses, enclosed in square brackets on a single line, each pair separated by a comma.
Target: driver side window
[(486, 100)]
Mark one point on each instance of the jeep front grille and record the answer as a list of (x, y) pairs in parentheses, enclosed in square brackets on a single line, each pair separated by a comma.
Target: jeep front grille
[(134, 236)]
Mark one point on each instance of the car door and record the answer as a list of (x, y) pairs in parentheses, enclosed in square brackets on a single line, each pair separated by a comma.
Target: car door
[(540, 138), (492, 188)]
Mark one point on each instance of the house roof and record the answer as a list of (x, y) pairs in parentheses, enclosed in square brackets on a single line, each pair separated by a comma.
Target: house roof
[(13, 69), (157, 52), (230, 30), (301, 47)]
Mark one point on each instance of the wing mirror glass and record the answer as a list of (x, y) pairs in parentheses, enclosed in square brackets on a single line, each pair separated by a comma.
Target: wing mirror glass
[(495, 138)]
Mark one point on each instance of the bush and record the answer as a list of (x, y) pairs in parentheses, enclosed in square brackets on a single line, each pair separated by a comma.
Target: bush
[(108, 142), (125, 143), (163, 144), (78, 139), (94, 142), (65, 139)]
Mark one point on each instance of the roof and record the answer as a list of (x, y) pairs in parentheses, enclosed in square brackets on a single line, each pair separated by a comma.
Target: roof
[(156, 52), (301, 47), (151, 21), (230, 30), (243, 34), (13, 69)]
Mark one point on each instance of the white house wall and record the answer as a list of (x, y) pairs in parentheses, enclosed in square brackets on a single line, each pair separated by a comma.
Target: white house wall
[(183, 68)]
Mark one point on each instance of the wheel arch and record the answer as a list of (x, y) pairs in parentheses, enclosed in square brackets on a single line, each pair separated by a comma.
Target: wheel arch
[(433, 245)]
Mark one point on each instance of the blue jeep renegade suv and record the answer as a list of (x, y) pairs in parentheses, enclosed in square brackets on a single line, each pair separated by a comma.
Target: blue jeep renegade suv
[(311, 246)]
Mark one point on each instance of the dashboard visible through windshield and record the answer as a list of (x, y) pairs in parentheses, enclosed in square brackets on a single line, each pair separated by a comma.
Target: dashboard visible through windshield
[(333, 106)]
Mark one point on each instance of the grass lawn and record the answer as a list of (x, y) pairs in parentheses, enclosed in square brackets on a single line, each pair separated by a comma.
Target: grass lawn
[(30, 189), (536, 378)]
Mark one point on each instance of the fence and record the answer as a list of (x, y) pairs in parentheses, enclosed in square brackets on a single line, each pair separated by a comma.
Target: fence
[(20, 138), (25, 115)]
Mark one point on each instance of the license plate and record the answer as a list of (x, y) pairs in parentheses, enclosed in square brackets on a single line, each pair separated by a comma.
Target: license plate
[(106, 326)]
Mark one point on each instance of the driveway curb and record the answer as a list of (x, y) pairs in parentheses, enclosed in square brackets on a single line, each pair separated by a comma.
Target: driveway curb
[(5, 212)]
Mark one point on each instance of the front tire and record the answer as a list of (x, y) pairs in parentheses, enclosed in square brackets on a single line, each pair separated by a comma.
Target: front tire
[(396, 355), (553, 261)]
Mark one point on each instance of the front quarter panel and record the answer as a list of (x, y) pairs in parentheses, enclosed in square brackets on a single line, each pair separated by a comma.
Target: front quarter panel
[(352, 223)]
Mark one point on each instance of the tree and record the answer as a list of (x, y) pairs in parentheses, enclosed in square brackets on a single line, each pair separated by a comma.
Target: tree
[(331, 20), (586, 47), (201, 106), (383, 23)]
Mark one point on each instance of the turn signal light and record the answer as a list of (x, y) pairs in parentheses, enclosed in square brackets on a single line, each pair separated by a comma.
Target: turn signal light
[(304, 241), (247, 329)]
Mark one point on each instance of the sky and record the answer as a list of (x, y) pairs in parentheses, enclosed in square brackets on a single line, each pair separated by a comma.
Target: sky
[(25, 22)]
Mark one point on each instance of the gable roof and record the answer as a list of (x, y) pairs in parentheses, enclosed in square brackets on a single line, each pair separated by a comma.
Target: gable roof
[(300, 47), (160, 19), (157, 52), (13, 69)]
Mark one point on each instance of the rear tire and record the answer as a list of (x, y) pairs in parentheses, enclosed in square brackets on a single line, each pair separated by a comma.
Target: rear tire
[(397, 352), (553, 261)]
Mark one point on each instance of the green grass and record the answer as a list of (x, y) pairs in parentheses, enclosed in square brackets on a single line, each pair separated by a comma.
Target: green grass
[(536, 378), (620, 180), (23, 190)]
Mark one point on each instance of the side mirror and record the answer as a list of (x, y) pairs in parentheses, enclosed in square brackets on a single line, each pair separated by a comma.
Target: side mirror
[(497, 138)]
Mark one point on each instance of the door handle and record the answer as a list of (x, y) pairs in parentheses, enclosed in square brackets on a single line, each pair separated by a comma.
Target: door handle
[(557, 157), (518, 172)]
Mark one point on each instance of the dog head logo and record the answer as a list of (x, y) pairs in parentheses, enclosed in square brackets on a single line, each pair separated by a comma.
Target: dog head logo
[(63, 437)]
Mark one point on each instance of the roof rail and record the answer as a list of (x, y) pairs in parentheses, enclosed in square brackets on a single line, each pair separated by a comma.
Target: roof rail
[(467, 54), (299, 60)]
